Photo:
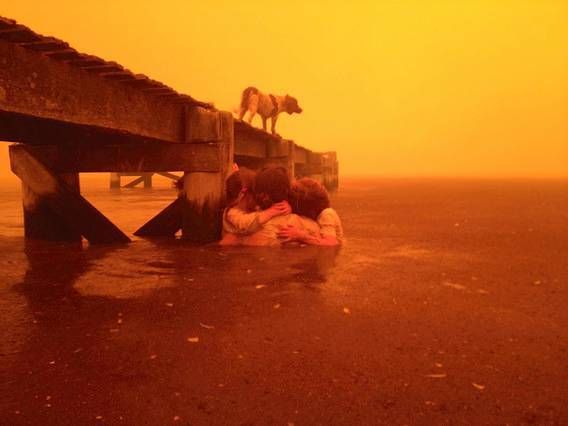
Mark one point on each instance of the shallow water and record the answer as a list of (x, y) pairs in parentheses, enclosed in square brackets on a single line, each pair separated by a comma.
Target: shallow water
[(447, 301)]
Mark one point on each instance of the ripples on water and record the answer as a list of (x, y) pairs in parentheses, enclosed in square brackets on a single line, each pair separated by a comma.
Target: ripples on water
[(417, 253)]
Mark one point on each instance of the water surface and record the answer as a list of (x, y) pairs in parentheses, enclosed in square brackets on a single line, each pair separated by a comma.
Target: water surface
[(446, 305)]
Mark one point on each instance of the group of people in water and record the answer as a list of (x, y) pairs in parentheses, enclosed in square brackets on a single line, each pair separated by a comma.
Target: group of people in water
[(266, 209)]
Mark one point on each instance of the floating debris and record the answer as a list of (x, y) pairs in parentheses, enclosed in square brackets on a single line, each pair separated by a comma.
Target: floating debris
[(249, 271), (277, 306), (114, 330), (153, 356), (170, 305), (260, 286), (346, 311), (207, 326), (478, 386), (436, 376), (119, 321), (438, 365), (454, 285), (51, 362), (537, 282), (193, 339), (176, 418)]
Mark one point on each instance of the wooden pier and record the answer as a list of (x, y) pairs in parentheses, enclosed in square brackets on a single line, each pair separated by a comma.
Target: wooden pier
[(72, 113)]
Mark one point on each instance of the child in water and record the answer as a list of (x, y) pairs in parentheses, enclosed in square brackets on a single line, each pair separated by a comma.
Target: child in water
[(310, 199), (242, 215)]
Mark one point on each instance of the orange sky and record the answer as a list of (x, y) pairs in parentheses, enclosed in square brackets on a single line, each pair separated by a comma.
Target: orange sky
[(459, 88)]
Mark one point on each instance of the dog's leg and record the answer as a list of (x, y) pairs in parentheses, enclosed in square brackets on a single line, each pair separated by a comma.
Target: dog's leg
[(252, 107), (273, 127), (264, 123), (251, 116)]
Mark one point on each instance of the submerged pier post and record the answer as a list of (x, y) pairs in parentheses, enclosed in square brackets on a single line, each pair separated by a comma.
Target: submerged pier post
[(54, 210), (40, 221), (330, 170), (204, 191), (114, 181)]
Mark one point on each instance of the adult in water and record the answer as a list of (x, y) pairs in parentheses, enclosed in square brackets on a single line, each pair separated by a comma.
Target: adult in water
[(272, 185)]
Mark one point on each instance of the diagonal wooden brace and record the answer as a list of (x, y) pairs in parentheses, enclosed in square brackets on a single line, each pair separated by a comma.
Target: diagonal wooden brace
[(75, 211), (166, 223)]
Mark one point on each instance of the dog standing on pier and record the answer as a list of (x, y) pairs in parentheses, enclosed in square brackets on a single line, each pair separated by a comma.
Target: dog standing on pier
[(267, 106)]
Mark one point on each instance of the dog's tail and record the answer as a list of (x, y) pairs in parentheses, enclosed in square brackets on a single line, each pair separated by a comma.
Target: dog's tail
[(246, 95)]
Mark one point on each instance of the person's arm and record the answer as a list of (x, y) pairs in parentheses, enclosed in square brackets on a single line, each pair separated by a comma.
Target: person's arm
[(278, 209), (247, 223), (294, 233), (240, 222)]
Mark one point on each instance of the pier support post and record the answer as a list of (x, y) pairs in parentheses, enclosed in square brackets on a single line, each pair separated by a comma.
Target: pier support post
[(40, 222), (204, 191), (147, 180), (114, 181), (53, 207), (330, 178)]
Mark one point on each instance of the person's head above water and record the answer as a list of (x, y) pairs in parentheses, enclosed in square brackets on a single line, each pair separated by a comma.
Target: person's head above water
[(240, 185), (308, 198), (272, 185)]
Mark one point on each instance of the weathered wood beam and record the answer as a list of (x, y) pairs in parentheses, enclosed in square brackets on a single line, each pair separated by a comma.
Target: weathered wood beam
[(18, 34), (166, 223), (34, 85), (252, 142), (169, 175), (250, 147), (308, 170), (46, 44), (76, 212), (63, 55), (135, 182), (301, 155), (151, 157), (32, 130)]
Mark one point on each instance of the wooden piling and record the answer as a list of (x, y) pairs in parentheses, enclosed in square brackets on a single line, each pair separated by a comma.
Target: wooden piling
[(114, 181), (53, 207), (40, 221), (204, 191)]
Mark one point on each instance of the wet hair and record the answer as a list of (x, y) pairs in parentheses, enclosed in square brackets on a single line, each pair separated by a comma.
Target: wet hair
[(272, 185), (308, 198), (239, 182)]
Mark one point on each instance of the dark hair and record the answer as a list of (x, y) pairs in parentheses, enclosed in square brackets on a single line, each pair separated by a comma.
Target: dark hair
[(308, 198), (242, 179), (272, 185)]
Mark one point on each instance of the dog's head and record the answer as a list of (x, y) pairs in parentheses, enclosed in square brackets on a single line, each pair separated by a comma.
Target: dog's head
[(291, 105)]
